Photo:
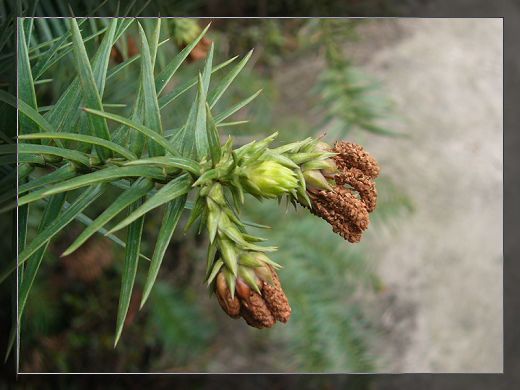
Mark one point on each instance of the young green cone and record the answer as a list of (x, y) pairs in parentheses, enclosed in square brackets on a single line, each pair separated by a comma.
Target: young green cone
[(269, 179)]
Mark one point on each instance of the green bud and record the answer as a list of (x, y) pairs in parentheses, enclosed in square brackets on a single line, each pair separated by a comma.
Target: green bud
[(315, 180), (270, 179)]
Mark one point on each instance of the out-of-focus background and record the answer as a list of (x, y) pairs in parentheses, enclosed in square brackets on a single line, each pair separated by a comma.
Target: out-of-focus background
[(421, 293)]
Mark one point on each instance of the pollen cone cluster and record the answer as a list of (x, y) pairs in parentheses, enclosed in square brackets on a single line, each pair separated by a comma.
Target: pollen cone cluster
[(353, 196), (260, 308)]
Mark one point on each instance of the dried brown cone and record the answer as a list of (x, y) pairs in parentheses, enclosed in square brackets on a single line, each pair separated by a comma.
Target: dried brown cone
[(258, 310), (346, 209), (347, 215), (231, 305), (352, 155), (275, 297), (253, 307), (363, 184)]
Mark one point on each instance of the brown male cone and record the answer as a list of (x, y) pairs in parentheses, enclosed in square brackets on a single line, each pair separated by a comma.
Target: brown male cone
[(258, 310), (346, 214), (352, 155), (346, 211)]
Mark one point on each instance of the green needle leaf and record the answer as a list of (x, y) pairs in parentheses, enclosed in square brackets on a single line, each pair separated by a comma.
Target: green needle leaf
[(51, 212), (169, 223), (170, 69), (215, 149), (90, 91), (226, 114), (152, 114), (84, 138), (67, 154), (229, 255), (155, 41), (99, 67), (169, 192), (133, 240), (66, 172), (143, 129), (63, 51), (46, 59), (181, 89), (59, 223), (26, 91), (169, 162), (28, 111), (201, 135), (119, 67), (196, 212), (233, 123), (210, 258), (216, 267), (192, 139), (104, 175), (226, 81), (64, 114), (138, 190), (116, 240), (206, 74)]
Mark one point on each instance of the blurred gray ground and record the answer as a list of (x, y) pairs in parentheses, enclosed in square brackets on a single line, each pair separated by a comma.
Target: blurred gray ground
[(442, 267)]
